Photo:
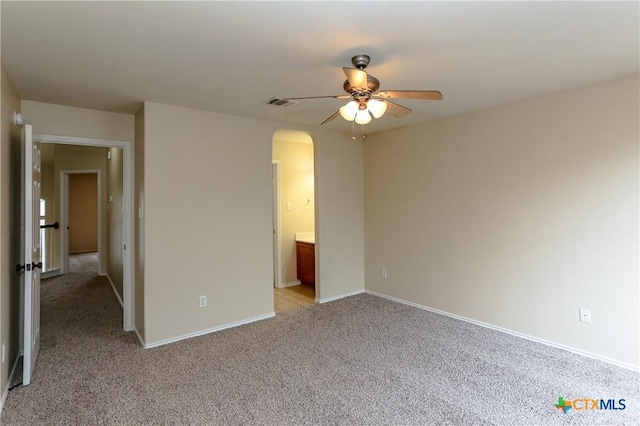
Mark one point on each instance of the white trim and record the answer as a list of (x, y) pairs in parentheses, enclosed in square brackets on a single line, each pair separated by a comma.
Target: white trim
[(51, 273), (113, 287), (127, 201), (340, 296), (275, 187), (63, 193), (5, 391), (290, 284), (5, 394), (207, 331), (513, 333)]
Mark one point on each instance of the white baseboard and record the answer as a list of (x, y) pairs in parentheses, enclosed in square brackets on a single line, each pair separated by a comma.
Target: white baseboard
[(86, 251), (5, 391), (52, 273), (513, 333), (289, 284), (207, 331), (340, 296), (113, 287)]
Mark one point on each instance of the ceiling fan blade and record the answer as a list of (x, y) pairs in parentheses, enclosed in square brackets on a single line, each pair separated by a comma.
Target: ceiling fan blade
[(411, 94), (319, 97), (395, 109), (357, 78), (335, 114)]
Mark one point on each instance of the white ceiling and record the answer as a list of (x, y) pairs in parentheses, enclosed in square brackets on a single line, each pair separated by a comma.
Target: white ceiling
[(231, 57)]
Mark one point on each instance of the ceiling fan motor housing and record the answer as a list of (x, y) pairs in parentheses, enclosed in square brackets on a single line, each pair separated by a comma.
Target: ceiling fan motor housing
[(373, 84), (360, 61)]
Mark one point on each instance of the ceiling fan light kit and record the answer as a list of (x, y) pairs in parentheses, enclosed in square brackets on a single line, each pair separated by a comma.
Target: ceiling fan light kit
[(362, 112), (348, 112), (367, 103), (363, 117), (377, 108)]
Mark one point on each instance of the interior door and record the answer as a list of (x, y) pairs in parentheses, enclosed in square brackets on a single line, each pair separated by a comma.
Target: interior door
[(32, 261)]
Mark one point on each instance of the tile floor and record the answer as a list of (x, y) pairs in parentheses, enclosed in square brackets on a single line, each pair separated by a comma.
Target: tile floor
[(293, 297)]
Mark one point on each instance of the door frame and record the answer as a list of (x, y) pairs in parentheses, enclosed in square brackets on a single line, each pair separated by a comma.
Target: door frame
[(64, 216), (277, 209), (127, 195), (275, 180)]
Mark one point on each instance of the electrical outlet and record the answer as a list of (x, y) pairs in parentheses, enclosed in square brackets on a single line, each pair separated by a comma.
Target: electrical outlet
[(585, 315), (203, 301), (4, 352), (384, 273)]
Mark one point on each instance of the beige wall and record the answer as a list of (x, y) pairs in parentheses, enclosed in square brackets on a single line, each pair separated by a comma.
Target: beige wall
[(59, 120), (9, 227), (83, 212), (339, 214), (115, 218), (296, 188), (206, 231), (207, 218), (516, 216)]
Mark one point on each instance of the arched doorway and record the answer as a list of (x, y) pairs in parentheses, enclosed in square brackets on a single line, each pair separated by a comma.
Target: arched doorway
[(294, 219)]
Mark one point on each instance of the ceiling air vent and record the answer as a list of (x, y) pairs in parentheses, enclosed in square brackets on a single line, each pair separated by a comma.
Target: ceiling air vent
[(282, 103)]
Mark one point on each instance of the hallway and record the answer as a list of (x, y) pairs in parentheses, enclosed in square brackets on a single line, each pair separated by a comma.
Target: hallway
[(78, 305), (80, 337)]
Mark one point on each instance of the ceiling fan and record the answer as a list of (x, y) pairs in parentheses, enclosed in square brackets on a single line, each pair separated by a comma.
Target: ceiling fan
[(366, 101)]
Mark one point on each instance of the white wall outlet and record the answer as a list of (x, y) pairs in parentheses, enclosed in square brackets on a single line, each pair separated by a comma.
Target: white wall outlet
[(4, 352), (384, 273), (203, 301), (585, 315)]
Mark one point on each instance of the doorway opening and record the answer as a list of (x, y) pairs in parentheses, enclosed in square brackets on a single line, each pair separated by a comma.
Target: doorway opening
[(80, 212), (113, 182), (33, 215), (294, 220)]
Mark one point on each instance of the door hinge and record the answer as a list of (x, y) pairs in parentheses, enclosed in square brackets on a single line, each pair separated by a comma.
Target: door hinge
[(26, 267)]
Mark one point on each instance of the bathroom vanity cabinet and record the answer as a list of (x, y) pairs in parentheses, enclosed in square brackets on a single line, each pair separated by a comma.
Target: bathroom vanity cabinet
[(306, 262)]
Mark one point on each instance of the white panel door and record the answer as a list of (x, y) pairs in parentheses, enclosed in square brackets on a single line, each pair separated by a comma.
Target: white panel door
[(32, 261)]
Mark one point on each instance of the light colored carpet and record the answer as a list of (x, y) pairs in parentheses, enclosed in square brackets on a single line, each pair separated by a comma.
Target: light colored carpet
[(362, 360)]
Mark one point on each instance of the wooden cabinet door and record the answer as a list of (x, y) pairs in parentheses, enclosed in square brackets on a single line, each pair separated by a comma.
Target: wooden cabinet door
[(306, 262)]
